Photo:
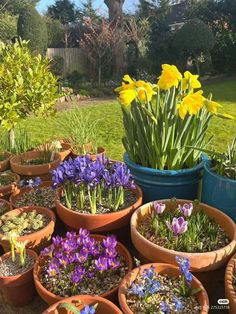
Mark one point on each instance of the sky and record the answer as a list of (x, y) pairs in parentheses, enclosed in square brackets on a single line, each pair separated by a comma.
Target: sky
[(129, 5)]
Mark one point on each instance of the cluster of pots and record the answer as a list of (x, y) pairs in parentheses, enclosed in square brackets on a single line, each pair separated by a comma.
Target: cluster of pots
[(155, 185)]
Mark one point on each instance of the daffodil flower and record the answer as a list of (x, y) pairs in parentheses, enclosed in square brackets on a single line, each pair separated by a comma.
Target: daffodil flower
[(170, 77), (190, 81)]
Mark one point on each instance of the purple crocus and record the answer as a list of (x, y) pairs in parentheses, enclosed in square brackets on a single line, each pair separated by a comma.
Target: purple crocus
[(111, 253), (113, 263), (83, 233), (82, 256), (158, 207), (110, 242), (186, 209), (69, 245), (78, 274), (53, 269), (178, 225), (101, 263)]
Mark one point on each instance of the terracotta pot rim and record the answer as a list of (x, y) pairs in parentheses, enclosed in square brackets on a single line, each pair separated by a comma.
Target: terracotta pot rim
[(100, 150), (180, 253), (97, 299), (228, 277), (13, 160), (29, 252), (138, 192), (25, 189), (49, 213), (13, 174), (52, 295), (122, 296)]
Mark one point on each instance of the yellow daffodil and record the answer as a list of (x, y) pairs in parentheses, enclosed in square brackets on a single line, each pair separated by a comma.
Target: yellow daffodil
[(190, 80), (212, 106), (170, 77), (131, 90), (191, 103)]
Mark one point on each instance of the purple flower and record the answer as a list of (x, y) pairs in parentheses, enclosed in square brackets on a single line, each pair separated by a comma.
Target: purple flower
[(78, 274), (158, 207), (111, 253), (110, 242), (137, 289), (47, 251), (177, 304), (69, 245), (89, 243), (88, 310), (37, 181), (186, 209), (149, 272), (184, 266), (57, 240), (178, 225), (83, 233), (113, 263), (155, 286), (101, 263), (95, 250), (164, 307), (53, 269), (82, 256), (71, 235)]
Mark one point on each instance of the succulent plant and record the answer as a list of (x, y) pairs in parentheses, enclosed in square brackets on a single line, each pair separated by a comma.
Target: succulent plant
[(24, 223)]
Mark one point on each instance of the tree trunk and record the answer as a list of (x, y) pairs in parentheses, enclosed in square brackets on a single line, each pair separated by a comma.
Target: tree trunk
[(115, 8)]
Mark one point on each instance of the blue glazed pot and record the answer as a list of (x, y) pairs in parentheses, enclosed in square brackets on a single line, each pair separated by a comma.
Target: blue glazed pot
[(164, 184), (219, 191)]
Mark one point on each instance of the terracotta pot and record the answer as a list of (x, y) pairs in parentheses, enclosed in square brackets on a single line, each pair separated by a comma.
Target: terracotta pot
[(7, 205), (170, 270), (52, 298), (33, 170), (230, 292), (10, 188), (66, 150), (98, 222), (5, 164), (104, 306), (19, 191), (100, 152), (36, 240), (18, 290), (200, 262)]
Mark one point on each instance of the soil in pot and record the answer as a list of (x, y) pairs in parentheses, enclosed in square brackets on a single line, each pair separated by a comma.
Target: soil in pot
[(16, 282), (42, 196), (6, 178)]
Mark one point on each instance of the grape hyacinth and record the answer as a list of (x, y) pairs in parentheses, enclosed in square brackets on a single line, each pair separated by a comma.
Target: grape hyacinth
[(79, 257), (99, 182)]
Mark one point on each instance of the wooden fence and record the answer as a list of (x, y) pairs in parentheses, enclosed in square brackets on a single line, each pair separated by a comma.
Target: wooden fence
[(73, 58)]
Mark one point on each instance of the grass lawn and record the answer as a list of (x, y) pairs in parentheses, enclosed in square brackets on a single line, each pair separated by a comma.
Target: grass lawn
[(110, 127)]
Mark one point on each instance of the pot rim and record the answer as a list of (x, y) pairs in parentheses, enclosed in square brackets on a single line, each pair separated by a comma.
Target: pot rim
[(122, 296), (100, 150), (228, 277), (13, 160), (208, 169), (154, 246), (83, 297), (28, 251), (96, 236), (165, 173), (50, 214), (138, 192)]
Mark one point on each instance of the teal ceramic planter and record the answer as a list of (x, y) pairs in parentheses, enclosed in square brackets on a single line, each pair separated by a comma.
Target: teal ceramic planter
[(219, 191), (165, 184)]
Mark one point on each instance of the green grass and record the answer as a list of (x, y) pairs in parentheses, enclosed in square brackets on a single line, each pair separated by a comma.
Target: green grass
[(110, 127)]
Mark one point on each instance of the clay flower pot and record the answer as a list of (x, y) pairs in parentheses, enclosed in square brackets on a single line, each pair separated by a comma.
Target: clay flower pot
[(36, 240), (230, 292), (5, 164), (6, 205), (200, 262), (18, 290), (10, 188), (104, 306), (169, 270), (98, 222), (52, 298), (65, 151), (19, 191), (33, 170), (100, 152)]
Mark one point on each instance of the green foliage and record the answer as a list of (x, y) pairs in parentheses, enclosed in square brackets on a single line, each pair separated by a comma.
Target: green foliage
[(16, 6), (31, 26), (55, 33), (57, 66), (26, 85), (23, 141), (7, 27), (63, 10)]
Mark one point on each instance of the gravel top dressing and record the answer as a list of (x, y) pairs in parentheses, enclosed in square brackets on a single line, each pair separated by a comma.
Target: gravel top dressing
[(43, 197), (10, 268), (6, 179), (130, 199)]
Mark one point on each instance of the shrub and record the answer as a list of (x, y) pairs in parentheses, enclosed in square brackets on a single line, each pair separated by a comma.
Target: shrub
[(57, 66), (7, 27), (31, 26)]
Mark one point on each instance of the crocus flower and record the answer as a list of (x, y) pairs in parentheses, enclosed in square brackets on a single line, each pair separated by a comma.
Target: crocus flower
[(109, 242), (83, 233), (186, 209), (158, 207), (88, 310), (111, 253), (113, 263), (53, 269), (47, 251), (57, 240), (101, 263), (82, 256), (69, 245), (178, 226)]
